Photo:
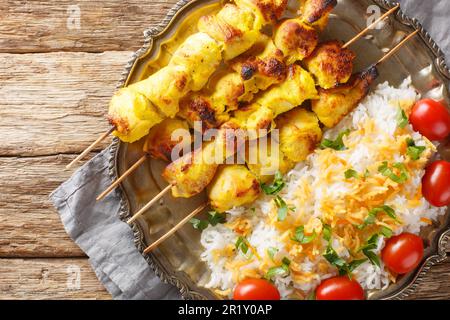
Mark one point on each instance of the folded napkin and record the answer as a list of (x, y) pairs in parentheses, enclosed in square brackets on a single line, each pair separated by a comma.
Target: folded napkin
[(96, 226), (109, 243)]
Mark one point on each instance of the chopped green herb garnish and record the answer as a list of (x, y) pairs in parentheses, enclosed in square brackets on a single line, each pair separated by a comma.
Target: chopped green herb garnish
[(214, 218), (286, 261), (350, 173), (199, 224), (386, 232), (366, 174), (283, 209), (337, 144), (242, 245), (326, 232), (414, 151), (367, 249), (388, 172), (282, 270), (402, 119), (276, 186), (343, 267), (372, 216), (300, 236), (271, 251)]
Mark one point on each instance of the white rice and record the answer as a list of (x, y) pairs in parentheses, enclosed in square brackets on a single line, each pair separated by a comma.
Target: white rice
[(382, 107)]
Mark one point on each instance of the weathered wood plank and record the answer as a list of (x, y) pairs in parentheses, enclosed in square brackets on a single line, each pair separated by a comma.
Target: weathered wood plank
[(436, 285), (83, 25), (30, 226), (56, 102), (49, 279), (56, 279)]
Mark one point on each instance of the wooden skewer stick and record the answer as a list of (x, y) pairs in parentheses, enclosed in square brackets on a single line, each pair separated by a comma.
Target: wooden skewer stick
[(122, 177), (175, 228), (150, 203), (90, 148), (363, 32), (397, 47)]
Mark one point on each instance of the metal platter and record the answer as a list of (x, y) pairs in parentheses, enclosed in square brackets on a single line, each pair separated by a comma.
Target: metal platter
[(177, 261)]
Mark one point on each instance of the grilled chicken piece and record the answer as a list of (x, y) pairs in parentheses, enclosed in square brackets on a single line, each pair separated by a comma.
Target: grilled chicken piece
[(226, 90), (259, 68), (264, 162), (211, 106), (254, 117), (164, 89), (237, 28), (132, 114), (192, 172), (299, 134), (313, 11), (233, 186), (268, 11), (163, 138), (330, 64), (298, 87), (200, 55), (296, 40), (334, 104)]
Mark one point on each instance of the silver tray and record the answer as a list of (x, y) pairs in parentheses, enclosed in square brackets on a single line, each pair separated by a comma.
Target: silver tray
[(176, 261)]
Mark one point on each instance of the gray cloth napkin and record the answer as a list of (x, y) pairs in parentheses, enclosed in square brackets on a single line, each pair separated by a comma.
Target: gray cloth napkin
[(109, 242), (434, 15)]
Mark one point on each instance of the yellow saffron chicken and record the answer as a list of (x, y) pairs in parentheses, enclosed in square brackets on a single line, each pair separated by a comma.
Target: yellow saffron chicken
[(226, 90), (237, 185), (299, 133), (297, 88), (264, 162), (233, 186), (165, 136), (330, 64), (334, 104), (151, 100)]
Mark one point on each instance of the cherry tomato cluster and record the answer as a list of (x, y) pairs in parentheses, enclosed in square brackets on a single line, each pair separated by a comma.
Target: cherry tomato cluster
[(432, 119)]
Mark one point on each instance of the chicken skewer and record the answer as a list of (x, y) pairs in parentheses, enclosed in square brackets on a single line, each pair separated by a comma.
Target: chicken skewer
[(138, 107), (177, 178), (290, 31), (371, 71), (254, 4)]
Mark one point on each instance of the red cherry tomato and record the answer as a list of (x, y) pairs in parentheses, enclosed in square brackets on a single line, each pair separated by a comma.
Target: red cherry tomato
[(340, 288), (431, 118), (436, 183), (403, 253), (256, 289)]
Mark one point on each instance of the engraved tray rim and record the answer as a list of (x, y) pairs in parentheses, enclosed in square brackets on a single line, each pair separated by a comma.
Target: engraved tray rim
[(151, 34)]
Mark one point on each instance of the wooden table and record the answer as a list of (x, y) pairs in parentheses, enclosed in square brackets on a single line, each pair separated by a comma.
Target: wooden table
[(56, 77)]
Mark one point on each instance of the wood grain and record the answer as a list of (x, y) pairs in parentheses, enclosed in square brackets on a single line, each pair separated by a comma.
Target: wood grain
[(48, 26), (56, 102), (49, 279), (436, 284), (54, 279), (30, 226)]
